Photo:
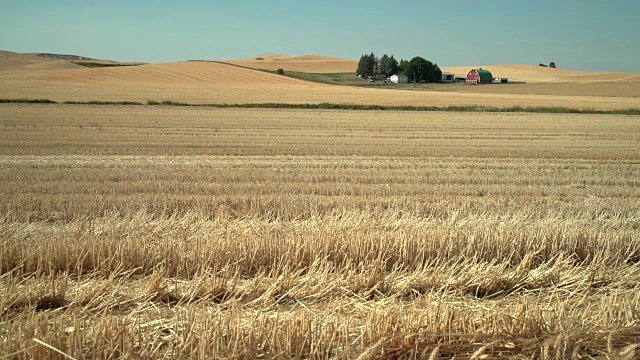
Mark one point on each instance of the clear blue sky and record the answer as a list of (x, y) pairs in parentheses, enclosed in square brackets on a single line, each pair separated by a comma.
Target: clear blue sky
[(576, 34)]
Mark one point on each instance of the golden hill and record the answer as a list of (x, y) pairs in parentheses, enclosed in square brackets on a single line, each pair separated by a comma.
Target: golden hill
[(42, 61), (301, 63), (11, 60), (284, 57), (211, 82), (183, 74)]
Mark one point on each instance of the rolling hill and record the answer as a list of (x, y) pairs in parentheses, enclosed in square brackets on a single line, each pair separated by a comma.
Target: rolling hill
[(301, 63), (11, 60), (213, 82), (86, 61), (46, 61)]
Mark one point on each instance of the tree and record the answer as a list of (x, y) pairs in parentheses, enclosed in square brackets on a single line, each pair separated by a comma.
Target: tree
[(280, 72), (419, 69), (416, 69), (372, 65), (391, 66), (383, 63), (367, 65), (402, 66), (360, 70), (388, 65), (552, 65), (437, 73)]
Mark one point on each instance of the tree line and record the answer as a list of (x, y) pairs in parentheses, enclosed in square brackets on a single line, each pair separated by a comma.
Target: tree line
[(417, 69)]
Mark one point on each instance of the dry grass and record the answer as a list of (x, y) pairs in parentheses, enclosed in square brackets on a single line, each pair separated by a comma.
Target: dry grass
[(170, 232)]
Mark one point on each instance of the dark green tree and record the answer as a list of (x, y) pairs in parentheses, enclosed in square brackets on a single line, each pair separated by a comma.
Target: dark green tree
[(383, 64), (390, 67), (402, 65), (367, 65), (552, 65), (360, 70), (420, 69), (437, 73), (433, 74), (372, 64), (416, 69)]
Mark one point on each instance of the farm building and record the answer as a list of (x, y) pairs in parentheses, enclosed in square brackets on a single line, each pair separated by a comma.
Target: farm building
[(399, 79), (479, 76), (448, 77), (500, 80)]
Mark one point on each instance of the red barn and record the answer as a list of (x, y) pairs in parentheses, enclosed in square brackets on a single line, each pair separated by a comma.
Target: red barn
[(479, 76)]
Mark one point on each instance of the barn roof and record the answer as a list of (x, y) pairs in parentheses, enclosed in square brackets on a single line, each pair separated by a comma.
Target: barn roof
[(484, 74)]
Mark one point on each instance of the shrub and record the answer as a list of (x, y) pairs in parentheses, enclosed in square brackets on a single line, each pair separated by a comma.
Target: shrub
[(280, 72), (259, 58), (166, 102), (99, 102), (29, 101)]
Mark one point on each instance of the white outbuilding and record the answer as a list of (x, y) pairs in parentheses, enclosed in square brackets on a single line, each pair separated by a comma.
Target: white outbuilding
[(399, 79), (447, 77)]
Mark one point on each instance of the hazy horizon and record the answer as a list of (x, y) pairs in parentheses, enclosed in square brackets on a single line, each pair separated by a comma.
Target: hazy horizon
[(580, 35)]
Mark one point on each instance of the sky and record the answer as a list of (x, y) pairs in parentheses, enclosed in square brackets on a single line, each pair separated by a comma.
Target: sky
[(575, 34)]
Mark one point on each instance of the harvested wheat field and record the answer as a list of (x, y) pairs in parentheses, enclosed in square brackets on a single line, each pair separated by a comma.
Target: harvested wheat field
[(211, 82), (595, 89), (180, 232)]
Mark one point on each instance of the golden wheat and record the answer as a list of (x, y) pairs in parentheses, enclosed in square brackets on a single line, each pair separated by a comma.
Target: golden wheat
[(163, 232)]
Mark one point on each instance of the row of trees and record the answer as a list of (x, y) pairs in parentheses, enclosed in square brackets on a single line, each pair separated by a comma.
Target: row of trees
[(417, 69)]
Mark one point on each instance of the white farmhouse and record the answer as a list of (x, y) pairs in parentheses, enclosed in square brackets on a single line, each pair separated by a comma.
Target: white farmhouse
[(399, 79)]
